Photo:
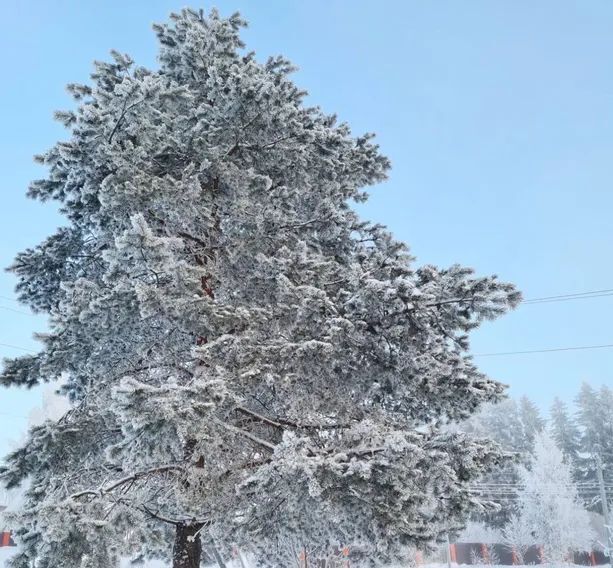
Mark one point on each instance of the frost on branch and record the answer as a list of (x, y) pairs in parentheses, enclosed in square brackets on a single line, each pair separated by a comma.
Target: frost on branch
[(247, 359)]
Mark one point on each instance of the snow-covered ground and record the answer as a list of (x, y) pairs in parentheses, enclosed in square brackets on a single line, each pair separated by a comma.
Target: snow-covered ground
[(439, 565), (5, 554)]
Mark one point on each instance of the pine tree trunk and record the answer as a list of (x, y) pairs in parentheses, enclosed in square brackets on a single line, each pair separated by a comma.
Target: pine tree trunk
[(187, 549)]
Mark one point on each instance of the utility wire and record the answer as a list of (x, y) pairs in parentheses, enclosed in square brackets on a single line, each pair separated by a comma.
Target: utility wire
[(541, 300), (16, 310), (569, 298), (576, 295), (498, 354), (581, 348), (17, 347)]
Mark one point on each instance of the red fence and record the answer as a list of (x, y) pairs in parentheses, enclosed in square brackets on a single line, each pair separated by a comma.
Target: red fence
[(501, 554), (471, 553)]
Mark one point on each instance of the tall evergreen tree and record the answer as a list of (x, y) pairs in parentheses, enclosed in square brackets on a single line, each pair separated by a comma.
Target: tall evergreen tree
[(502, 423), (248, 361), (592, 418), (532, 423), (589, 418), (605, 399), (550, 513), (514, 426), (565, 431)]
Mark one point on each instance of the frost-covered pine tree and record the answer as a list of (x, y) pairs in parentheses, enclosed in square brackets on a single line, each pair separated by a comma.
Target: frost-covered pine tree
[(500, 422), (532, 423), (550, 513), (594, 412), (248, 361), (512, 426), (565, 431)]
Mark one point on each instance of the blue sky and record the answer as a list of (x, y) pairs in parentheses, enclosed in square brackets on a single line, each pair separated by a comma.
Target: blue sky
[(497, 117)]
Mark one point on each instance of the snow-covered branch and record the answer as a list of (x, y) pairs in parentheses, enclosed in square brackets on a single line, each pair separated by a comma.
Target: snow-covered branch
[(104, 490)]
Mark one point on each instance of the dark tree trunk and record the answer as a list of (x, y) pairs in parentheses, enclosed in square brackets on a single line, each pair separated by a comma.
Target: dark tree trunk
[(187, 549)]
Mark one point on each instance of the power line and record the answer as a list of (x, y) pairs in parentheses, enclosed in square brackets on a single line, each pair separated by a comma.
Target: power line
[(17, 347), (605, 292), (497, 354), (567, 299), (527, 352), (541, 300), (576, 295), (15, 310)]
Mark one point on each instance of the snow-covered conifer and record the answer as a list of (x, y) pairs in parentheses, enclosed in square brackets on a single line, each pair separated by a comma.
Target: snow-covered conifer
[(502, 423), (532, 423), (594, 411), (550, 513), (565, 431), (248, 361)]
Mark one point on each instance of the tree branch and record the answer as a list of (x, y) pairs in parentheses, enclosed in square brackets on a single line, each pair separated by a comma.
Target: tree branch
[(282, 422), (270, 447), (124, 111), (100, 492)]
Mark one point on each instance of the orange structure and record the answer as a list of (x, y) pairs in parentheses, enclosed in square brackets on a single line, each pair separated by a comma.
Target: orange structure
[(5, 539), (452, 553)]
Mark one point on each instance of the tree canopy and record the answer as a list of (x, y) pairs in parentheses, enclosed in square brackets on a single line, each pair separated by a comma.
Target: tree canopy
[(247, 360)]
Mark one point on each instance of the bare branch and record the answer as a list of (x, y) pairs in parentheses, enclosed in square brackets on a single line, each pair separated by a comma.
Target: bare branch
[(270, 447), (100, 492), (260, 417), (279, 422)]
